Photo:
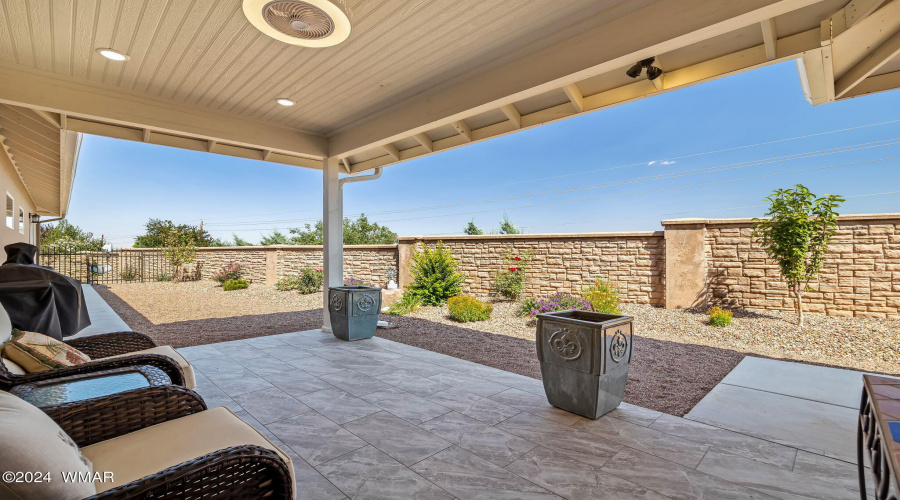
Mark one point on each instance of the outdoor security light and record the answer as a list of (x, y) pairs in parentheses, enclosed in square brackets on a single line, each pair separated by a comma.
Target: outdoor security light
[(653, 72), (635, 71)]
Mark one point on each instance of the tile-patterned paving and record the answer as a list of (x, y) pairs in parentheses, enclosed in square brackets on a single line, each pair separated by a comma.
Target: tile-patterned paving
[(380, 420)]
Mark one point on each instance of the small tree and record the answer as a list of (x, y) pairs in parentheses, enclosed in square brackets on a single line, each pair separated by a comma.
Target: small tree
[(472, 230), (507, 226), (434, 276), (180, 249), (796, 235), (158, 229)]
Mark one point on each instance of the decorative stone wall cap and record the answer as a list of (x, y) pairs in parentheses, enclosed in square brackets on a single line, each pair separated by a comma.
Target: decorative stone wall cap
[(675, 222), (547, 236), (846, 217)]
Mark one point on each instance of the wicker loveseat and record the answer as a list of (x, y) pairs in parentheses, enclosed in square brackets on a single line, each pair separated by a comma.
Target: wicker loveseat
[(159, 442), (107, 351)]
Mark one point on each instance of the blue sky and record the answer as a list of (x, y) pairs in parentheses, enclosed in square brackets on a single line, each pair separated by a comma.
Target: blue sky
[(620, 169)]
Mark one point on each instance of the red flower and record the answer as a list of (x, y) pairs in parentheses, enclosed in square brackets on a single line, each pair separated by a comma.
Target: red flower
[(517, 258), (514, 269)]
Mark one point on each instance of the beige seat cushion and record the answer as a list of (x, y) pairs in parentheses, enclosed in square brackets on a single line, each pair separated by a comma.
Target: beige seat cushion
[(11, 365), (152, 449), (32, 442), (189, 380)]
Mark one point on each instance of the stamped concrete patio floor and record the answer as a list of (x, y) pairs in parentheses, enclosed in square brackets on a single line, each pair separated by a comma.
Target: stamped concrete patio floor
[(379, 419)]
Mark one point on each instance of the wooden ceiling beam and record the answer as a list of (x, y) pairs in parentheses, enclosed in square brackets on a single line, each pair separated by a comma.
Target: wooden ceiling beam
[(391, 150), (770, 38), (463, 129), (575, 97), (425, 142), (513, 115)]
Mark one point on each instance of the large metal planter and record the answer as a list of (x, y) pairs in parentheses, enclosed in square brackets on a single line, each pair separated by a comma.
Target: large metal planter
[(584, 360), (354, 311)]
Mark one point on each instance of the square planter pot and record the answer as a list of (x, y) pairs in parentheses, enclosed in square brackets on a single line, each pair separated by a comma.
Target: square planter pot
[(584, 360), (354, 311)]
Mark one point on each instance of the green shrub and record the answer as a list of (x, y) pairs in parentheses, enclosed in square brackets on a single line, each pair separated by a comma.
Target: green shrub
[(309, 281), (407, 304), (603, 296), (163, 277), (464, 308), (434, 276), (526, 306), (237, 284), (129, 274), (719, 317)]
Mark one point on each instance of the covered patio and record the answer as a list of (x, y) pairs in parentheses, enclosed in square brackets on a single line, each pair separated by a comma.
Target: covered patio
[(380, 419), (394, 81), (375, 418)]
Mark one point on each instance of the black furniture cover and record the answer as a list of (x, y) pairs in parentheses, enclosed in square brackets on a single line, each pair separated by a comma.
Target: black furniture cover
[(39, 299)]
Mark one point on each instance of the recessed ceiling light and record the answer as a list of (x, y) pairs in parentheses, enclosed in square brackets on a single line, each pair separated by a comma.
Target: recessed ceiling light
[(113, 54), (284, 101)]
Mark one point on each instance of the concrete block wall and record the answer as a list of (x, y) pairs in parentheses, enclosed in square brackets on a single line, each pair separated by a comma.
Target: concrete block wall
[(634, 261), (693, 263), (366, 262), (859, 277)]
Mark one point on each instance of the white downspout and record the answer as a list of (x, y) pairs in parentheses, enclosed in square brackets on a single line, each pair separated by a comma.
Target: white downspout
[(333, 229)]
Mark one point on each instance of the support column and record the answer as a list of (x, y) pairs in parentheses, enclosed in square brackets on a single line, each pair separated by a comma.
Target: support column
[(333, 241), (686, 265)]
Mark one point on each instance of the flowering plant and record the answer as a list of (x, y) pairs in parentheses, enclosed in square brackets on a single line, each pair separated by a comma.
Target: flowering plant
[(230, 271), (351, 281), (559, 301), (511, 283)]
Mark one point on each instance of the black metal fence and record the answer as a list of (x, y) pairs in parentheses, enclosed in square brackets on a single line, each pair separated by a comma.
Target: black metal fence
[(113, 266)]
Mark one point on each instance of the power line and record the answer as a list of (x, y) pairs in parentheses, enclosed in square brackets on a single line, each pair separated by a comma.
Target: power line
[(746, 146), (635, 180), (707, 152), (705, 210), (867, 162)]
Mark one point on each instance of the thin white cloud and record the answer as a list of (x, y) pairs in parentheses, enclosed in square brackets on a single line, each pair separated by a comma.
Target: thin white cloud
[(652, 162)]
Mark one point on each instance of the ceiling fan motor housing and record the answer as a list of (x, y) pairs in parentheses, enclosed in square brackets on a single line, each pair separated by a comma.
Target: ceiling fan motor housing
[(308, 23)]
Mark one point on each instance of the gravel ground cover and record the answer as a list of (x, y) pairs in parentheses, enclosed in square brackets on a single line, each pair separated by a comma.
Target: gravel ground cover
[(678, 358)]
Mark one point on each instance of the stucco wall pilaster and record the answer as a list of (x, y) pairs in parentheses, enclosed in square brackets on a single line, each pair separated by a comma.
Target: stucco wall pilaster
[(686, 264)]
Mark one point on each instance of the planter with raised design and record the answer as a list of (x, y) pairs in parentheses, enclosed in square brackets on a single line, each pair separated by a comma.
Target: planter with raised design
[(354, 311), (584, 360)]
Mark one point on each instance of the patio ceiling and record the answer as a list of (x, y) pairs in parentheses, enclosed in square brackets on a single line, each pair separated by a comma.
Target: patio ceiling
[(42, 154), (414, 77)]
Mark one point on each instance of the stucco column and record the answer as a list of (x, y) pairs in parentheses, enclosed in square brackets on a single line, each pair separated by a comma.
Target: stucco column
[(405, 249), (271, 265), (686, 266), (333, 237)]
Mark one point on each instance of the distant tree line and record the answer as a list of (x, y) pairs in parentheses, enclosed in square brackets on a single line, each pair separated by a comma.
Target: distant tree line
[(356, 232)]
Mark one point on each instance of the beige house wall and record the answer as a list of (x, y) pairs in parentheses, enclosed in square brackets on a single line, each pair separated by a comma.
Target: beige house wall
[(11, 183)]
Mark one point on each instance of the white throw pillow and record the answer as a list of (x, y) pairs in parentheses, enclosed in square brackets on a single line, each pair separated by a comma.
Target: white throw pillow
[(33, 443)]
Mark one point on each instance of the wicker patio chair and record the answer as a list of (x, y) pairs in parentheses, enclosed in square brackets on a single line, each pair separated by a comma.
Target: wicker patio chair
[(107, 351), (217, 455)]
